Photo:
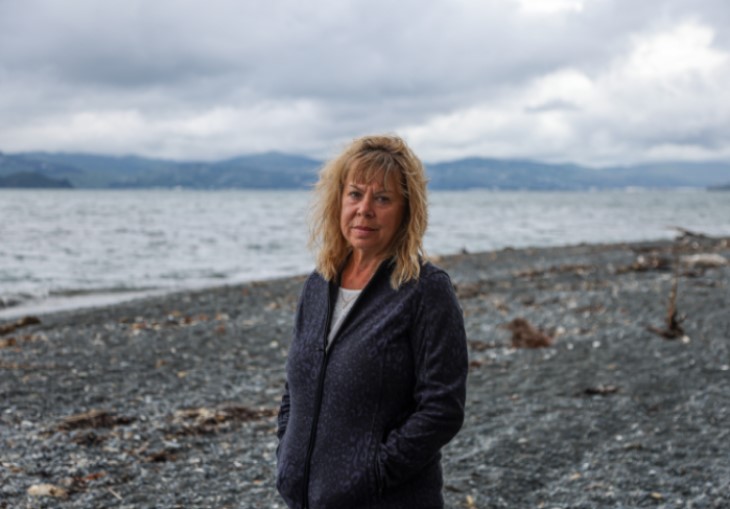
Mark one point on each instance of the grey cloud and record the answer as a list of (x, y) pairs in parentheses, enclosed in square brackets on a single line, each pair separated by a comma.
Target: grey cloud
[(553, 106), (361, 66)]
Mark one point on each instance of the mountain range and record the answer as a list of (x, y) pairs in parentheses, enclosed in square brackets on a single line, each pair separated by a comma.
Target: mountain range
[(276, 170)]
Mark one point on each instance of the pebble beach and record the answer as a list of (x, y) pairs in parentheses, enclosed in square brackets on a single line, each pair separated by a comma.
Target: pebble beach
[(582, 391)]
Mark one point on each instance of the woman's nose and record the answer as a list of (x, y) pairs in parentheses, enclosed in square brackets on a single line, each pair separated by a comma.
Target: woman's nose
[(366, 206)]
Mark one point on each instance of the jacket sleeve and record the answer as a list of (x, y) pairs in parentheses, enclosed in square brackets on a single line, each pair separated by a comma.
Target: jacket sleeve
[(441, 365), (282, 418)]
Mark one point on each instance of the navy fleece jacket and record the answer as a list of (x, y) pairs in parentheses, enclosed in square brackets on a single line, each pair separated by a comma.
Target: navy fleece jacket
[(362, 425)]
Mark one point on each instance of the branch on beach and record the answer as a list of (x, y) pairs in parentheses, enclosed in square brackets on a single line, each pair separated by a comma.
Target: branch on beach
[(525, 335), (685, 233), (673, 329)]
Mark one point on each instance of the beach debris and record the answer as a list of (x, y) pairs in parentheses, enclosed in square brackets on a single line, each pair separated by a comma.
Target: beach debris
[(89, 439), (645, 263), (524, 335), (528, 301), (193, 421), (467, 290), (8, 342), (13, 366), (589, 309), (12, 341), (480, 346), (601, 390), (22, 322), (80, 483), (684, 233), (114, 494), (47, 490), (477, 363), (577, 268), (705, 260), (162, 456), (673, 329), (500, 305), (93, 419)]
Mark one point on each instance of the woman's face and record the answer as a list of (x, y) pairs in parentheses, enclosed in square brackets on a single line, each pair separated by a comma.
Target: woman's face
[(372, 214)]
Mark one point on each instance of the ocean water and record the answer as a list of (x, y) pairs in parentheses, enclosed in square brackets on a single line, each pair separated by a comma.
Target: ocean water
[(63, 249)]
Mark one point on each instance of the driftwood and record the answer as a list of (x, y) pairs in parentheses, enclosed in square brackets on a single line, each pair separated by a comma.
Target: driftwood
[(673, 329), (685, 233)]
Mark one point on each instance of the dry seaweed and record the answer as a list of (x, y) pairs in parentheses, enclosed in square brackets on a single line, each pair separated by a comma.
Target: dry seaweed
[(22, 322), (94, 418), (524, 335)]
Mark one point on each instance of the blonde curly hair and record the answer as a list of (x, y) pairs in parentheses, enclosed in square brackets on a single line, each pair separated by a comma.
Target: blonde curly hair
[(363, 160)]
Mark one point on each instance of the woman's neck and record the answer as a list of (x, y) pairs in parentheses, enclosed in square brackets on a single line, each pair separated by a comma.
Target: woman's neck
[(358, 271)]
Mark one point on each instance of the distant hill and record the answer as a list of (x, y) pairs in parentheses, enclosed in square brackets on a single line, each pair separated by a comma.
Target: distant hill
[(516, 174), (478, 172), (276, 170), (272, 170), (11, 164), (33, 180)]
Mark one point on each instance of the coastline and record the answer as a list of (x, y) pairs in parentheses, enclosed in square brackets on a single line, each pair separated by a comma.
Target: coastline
[(170, 400)]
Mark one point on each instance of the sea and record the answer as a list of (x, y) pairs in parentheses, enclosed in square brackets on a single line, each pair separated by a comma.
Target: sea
[(68, 249)]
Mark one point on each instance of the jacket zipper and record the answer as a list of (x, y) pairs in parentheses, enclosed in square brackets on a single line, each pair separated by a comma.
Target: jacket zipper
[(317, 401), (320, 380)]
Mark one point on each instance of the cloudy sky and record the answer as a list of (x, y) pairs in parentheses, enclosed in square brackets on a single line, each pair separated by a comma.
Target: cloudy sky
[(596, 82)]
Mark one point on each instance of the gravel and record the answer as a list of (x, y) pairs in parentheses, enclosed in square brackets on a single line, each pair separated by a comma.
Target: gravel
[(171, 401)]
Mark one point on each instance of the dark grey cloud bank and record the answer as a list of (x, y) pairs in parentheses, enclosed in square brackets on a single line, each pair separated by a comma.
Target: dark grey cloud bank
[(591, 81)]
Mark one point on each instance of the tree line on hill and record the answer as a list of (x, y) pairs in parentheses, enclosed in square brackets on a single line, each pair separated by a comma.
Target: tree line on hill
[(275, 170)]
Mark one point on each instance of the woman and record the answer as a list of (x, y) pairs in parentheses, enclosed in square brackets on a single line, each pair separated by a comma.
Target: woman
[(377, 367)]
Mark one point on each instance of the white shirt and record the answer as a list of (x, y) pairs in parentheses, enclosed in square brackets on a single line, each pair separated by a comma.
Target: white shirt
[(345, 299)]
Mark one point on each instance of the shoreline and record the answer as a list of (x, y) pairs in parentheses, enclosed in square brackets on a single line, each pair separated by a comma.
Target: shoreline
[(90, 299), (170, 401)]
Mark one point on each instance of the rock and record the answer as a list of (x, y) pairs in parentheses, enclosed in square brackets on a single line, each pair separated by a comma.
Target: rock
[(47, 490)]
